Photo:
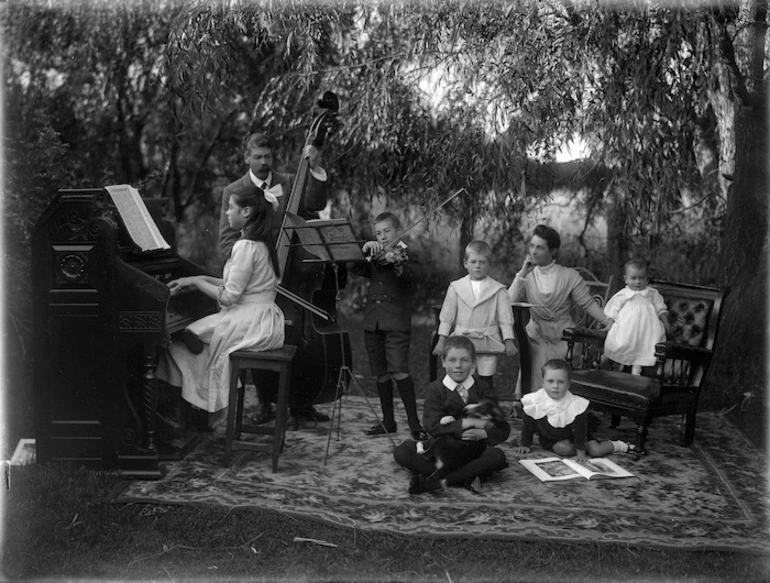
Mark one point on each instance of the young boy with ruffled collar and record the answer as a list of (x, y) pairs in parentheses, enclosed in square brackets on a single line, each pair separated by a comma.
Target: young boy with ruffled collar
[(561, 419)]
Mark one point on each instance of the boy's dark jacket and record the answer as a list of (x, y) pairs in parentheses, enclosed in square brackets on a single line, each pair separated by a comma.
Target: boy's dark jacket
[(388, 302), (440, 402)]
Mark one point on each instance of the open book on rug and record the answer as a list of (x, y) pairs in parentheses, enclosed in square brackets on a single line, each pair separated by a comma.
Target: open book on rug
[(554, 469)]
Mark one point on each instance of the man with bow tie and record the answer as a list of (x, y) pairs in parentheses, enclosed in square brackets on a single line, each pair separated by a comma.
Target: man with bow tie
[(258, 155)]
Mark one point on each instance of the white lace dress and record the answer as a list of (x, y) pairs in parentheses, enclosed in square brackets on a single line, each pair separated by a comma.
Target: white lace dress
[(248, 318), (637, 328)]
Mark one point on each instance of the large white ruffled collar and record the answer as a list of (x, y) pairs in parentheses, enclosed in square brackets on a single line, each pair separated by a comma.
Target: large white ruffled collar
[(560, 413)]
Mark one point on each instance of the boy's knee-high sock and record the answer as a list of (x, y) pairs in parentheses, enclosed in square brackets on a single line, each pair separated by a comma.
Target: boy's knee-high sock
[(486, 385), (385, 391), (406, 390)]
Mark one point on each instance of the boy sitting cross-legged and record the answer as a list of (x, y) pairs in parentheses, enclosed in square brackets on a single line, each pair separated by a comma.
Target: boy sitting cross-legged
[(471, 440)]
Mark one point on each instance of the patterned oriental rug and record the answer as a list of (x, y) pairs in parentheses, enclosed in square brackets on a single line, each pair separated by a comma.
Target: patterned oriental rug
[(712, 496)]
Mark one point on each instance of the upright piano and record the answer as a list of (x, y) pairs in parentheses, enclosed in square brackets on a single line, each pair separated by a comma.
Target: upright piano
[(102, 314)]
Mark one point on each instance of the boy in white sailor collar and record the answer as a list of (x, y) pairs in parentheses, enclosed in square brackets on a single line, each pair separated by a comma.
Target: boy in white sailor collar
[(561, 419), (478, 307)]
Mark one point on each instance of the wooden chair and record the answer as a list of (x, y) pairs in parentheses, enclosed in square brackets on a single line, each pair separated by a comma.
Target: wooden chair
[(433, 361), (682, 363), (600, 293), (271, 360)]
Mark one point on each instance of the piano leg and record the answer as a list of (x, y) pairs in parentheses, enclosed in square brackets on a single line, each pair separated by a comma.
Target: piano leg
[(140, 460), (150, 397)]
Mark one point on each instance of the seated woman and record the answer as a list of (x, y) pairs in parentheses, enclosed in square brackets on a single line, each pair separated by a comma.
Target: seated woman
[(554, 290)]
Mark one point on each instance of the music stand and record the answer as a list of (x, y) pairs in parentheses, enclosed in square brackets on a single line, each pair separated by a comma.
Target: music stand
[(333, 241)]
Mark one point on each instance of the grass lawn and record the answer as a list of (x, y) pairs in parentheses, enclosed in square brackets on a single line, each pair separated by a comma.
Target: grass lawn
[(59, 523)]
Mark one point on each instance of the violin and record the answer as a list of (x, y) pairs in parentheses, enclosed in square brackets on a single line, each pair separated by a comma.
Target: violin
[(395, 255), (395, 252)]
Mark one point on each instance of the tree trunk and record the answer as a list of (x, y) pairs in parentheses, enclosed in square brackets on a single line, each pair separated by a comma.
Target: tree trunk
[(742, 345), (617, 241), (741, 348)]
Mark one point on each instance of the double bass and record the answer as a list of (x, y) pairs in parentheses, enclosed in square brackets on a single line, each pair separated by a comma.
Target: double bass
[(307, 293)]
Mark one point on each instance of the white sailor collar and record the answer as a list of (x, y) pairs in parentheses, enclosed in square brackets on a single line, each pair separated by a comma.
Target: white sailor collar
[(464, 289), (560, 413), (451, 385)]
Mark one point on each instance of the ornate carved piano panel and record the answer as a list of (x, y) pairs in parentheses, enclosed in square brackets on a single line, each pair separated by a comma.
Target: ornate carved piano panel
[(102, 312)]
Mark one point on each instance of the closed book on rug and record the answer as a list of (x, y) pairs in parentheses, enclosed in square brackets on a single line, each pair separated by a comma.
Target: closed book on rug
[(554, 469)]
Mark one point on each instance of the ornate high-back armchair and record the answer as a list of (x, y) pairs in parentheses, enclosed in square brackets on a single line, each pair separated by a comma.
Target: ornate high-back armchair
[(682, 363)]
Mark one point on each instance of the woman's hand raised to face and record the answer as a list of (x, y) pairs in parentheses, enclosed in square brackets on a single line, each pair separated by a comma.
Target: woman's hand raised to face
[(527, 266)]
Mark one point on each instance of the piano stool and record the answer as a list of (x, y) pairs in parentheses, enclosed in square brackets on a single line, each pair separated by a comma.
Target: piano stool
[(272, 360)]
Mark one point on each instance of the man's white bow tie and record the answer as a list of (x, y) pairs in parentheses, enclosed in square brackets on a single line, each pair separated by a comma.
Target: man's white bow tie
[(272, 194)]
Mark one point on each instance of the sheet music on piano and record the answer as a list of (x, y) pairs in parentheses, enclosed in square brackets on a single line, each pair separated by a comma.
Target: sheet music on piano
[(140, 225)]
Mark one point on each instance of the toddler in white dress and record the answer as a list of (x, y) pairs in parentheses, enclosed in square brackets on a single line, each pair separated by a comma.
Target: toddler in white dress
[(640, 320)]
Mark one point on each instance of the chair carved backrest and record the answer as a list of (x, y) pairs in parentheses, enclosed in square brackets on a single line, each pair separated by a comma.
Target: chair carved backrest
[(600, 293), (693, 312)]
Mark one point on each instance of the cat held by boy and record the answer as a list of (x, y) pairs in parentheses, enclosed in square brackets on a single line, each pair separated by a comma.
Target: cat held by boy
[(448, 452)]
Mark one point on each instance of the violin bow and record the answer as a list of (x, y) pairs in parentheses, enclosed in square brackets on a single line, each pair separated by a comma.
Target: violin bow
[(421, 219)]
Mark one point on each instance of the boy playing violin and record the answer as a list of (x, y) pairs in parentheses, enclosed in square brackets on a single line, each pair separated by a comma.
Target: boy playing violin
[(388, 321)]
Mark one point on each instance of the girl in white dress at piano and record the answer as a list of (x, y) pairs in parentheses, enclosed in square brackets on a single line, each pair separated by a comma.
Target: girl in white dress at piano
[(248, 315)]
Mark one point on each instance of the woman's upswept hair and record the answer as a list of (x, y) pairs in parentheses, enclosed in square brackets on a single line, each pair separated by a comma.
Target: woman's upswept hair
[(549, 235), (261, 224)]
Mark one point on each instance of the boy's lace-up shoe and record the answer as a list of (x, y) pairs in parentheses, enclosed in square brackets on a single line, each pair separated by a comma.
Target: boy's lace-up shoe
[(381, 429), (419, 484), (474, 485)]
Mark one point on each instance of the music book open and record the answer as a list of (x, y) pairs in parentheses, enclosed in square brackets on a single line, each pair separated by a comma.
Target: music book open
[(554, 469), (137, 219), (328, 239)]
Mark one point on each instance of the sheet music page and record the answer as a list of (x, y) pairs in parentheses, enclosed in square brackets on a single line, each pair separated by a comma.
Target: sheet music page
[(142, 228), (340, 238), (309, 238)]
